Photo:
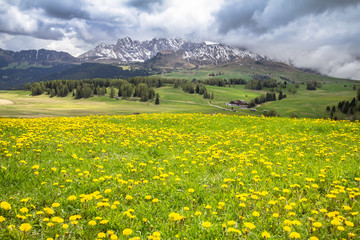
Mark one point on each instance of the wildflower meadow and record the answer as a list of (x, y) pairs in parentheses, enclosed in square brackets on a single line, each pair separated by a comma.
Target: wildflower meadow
[(179, 176)]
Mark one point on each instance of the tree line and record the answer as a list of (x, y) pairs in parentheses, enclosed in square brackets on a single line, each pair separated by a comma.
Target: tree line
[(142, 87), (266, 98), (194, 86)]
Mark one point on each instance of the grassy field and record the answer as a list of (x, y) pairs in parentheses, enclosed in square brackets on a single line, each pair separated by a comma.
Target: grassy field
[(179, 176), (25, 105), (309, 104)]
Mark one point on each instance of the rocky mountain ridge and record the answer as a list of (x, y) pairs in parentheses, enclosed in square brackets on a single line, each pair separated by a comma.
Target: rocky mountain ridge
[(127, 50), (42, 56)]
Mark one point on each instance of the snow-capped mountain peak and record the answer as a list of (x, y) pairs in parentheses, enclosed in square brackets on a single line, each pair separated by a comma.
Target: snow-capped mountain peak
[(127, 50)]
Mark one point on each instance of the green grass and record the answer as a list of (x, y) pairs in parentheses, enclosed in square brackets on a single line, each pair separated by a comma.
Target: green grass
[(180, 176), (43, 106), (304, 103)]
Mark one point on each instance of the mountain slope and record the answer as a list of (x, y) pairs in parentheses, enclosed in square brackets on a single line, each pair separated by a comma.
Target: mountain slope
[(19, 68), (95, 70), (42, 56)]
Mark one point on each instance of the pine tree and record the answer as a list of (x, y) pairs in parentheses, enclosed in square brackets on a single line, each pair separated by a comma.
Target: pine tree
[(112, 92), (52, 93), (280, 95), (157, 99), (28, 87), (205, 94), (36, 89)]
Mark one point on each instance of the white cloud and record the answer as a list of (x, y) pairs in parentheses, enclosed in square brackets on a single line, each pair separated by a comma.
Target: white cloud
[(14, 21)]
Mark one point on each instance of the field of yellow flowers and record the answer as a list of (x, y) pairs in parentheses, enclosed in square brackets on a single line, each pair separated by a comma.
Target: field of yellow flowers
[(179, 176)]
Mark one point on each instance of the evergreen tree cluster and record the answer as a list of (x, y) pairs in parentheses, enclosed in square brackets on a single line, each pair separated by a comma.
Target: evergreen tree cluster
[(237, 81), (142, 87), (179, 82), (188, 87), (258, 84), (350, 108), (265, 98), (313, 85), (270, 96), (144, 92), (281, 95), (216, 82), (198, 87)]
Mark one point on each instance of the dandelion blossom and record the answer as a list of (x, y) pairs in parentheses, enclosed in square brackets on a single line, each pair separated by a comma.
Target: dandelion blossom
[(294, 235), (127, 231), (25, 227), (265, 234), (249, 225), (206, 224)]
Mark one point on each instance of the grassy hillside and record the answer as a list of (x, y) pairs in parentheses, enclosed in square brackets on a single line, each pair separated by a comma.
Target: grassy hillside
[(247, 70), (179, 176)]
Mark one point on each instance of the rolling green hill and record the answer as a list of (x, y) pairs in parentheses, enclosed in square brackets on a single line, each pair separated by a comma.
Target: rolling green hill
[(247, 68)]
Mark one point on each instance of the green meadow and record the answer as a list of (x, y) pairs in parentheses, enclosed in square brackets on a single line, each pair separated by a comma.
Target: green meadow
[(179, 176), (304, 103)]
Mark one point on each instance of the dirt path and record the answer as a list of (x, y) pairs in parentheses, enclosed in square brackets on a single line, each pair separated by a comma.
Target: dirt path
[(6, 102), (225, 109)]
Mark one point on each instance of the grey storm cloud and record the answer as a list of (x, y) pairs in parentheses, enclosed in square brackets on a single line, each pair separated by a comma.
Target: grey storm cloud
[(265, 15), (64, 9), (145, 5)]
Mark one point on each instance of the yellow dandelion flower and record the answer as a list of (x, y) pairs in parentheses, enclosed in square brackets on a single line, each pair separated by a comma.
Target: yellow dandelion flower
[(349, 224), (24, 210), (5, 205), (249, 225), (287, 229), (340, 228), (25, 227), (127, 231), (265, 234), (92, 223), (294, 235), (317, 224), (72, 198), (101, 235), (231, 223), (206, 224), (114, 237)]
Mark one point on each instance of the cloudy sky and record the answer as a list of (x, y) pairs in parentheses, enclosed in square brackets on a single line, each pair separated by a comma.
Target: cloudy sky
[(318, 34)]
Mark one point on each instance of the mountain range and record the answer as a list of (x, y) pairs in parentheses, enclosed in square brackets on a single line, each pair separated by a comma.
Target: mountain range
[(127, 50), (158, 54)]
